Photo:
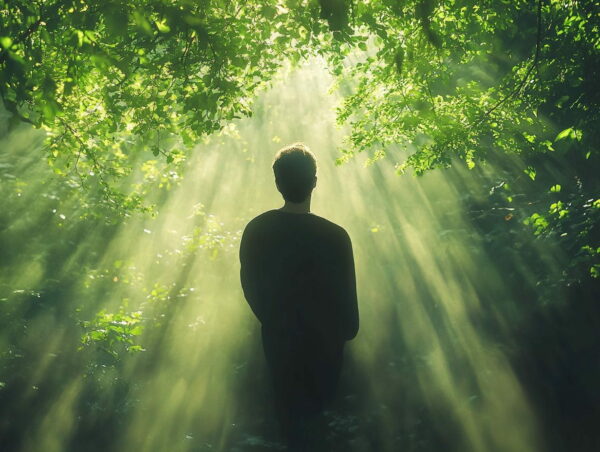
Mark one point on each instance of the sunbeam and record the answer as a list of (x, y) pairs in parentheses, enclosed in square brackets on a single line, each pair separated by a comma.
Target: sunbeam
[(138, 336)]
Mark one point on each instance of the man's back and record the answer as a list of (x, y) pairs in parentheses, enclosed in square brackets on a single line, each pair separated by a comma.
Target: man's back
[(297, 273)]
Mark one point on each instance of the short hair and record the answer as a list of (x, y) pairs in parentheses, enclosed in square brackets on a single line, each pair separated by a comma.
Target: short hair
[(295, 168)]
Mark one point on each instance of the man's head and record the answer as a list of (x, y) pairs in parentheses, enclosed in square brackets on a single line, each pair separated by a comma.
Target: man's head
[(295, 169)]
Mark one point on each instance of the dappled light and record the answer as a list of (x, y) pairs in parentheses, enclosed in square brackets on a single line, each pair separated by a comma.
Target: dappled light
[(134, 334)]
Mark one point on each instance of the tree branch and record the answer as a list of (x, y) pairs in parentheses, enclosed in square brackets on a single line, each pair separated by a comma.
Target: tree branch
[(88, 152), (520, 86), (22, 37)]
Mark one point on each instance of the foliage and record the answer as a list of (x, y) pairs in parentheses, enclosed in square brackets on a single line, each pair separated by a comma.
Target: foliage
[(124, 89), (109, 79), (112, 330), (494, 79), (441, 80), (426, 83), (573, 224)]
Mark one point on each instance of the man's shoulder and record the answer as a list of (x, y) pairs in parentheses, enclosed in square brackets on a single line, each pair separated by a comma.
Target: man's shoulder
[(311, 221), (263, 218), (329, 231), (330, 226)]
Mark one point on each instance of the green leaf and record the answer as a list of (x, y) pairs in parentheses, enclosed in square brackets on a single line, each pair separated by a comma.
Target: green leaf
[(97, 335), (50, 109), (136, 348), (136, 331), (162, 26), (5, 41), (564, 134), (530, 171), (140, 20), (268, 12)]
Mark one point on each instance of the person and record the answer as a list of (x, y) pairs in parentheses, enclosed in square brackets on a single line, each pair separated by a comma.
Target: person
[(297, 274)]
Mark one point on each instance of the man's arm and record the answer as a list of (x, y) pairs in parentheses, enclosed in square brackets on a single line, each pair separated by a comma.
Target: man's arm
[(349, 300), (250, 270)]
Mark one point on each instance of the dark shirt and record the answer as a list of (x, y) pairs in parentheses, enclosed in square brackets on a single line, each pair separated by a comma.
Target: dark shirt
[(297, 273)]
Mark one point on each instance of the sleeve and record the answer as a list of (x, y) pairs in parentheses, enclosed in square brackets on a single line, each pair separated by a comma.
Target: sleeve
[(249, 270), (349, 307)]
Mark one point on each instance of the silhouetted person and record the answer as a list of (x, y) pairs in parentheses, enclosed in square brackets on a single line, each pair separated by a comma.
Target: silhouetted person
[(297, 272)]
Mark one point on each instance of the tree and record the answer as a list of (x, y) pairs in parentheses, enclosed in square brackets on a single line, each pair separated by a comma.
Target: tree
[(430, 82), (456, 79), (108, 79)]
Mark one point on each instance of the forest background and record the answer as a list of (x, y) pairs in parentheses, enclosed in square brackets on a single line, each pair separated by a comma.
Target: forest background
[(134, 138)]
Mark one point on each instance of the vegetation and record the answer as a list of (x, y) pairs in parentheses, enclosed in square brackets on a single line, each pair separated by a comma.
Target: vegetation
[(125, 90), (460, 79), (455, 79)]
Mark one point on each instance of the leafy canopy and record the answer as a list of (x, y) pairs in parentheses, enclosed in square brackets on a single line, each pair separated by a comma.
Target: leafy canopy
[(434, 80)]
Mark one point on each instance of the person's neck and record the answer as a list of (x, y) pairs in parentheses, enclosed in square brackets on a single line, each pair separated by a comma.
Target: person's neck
[(297, 207)]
